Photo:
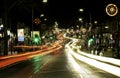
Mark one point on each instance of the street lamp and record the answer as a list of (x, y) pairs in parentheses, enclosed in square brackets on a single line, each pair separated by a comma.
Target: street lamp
[(45, 19), (45, 1), (81, 10), (90, 18), (106, 27), (95, 22), (42, 15), (80, 19), (112, 10)]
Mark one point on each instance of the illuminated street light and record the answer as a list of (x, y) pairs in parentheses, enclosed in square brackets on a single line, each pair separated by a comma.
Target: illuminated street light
[(1, 25), (80, 19), (45, 19), (106, 27), (90, 17), (95, 22), (45, 1), (81, 10), (42, 15)]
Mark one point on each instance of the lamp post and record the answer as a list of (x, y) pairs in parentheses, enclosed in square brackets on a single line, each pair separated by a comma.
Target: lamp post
[(45, 1), (90, 16), (112, 10), (81, 10), (6, 11)]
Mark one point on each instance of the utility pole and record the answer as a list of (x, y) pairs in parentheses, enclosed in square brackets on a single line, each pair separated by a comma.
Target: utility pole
[(6, 11), (90, 17), (112, 10), (5, 23), (118, 34)]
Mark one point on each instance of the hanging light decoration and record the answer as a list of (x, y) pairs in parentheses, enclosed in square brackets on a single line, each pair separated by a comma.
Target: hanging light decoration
[(111, 9)]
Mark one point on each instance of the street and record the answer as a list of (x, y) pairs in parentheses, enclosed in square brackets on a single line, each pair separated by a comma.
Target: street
[(42, 39), (53, 66)]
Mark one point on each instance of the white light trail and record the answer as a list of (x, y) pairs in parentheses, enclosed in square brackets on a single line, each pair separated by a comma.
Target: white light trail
[(101, 58), (73, 63), (106, 67)]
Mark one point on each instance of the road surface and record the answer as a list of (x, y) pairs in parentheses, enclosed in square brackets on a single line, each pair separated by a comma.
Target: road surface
[(52, 66)]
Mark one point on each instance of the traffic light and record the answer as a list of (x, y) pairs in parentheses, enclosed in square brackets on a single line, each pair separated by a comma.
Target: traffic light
[(36, 40)]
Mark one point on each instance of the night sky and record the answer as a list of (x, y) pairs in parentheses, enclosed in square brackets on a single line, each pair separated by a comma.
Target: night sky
[(65, 12)]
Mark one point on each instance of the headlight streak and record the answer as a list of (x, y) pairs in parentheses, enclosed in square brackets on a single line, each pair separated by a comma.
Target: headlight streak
[(21, 57), (101, 58), (73, 63), (106, 67), (81, 71)]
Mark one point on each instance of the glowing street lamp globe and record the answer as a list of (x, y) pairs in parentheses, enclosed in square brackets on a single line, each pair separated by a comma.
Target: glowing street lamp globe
[(45, 1), (81, 10)]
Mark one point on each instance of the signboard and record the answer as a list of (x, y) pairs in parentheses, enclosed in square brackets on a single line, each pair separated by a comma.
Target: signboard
[(33, 33), (20, 34)]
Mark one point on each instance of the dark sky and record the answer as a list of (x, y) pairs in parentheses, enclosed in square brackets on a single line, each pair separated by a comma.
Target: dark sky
[(68, 9), (66, 12)]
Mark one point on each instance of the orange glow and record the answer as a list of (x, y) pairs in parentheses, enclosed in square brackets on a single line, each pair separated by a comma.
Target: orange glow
[(7, 60)]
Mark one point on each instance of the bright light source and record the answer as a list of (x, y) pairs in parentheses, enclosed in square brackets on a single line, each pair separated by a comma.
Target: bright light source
[(80, 19), (8, 32), (43, 37), (36, 39), (81, 10), (111, 9), (101, 65), (73, 64), (1, 25), (45, 1), (104, 59), (95, 22), (42, 15), (106, 27), (45, 19), (106, 67)]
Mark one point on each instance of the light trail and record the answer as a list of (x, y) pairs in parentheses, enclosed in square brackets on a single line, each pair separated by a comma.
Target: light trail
[(17, 58), (102, 58), (75, 66), (106, 67)]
